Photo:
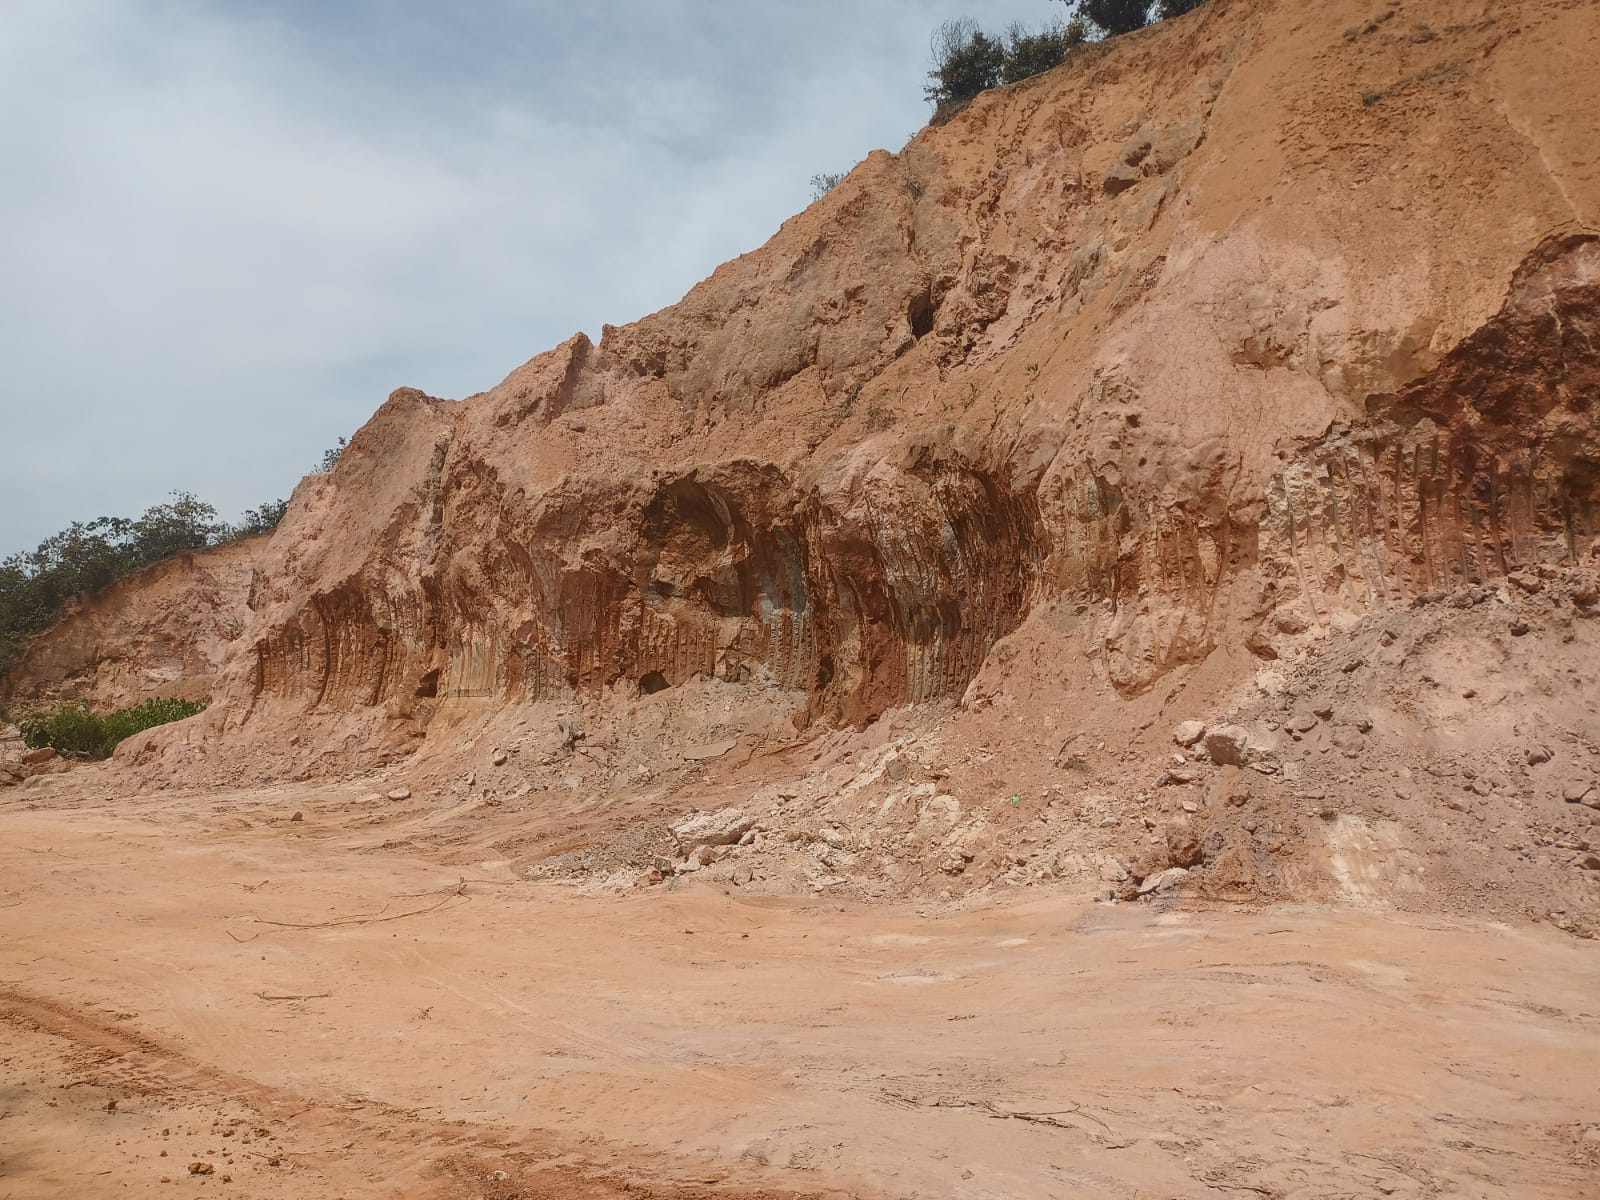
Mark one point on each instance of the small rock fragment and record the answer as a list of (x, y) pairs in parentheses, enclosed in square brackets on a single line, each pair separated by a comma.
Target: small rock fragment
[(299, 816), (1188, 733), (400, 793), (499, 758), (1526, 581), (1164, 881)]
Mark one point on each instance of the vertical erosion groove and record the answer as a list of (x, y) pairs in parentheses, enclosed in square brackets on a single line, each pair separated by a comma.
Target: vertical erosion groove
[(894, 596), (1489, 462)]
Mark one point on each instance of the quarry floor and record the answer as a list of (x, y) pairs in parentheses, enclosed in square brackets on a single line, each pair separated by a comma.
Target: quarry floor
[(201, 996)]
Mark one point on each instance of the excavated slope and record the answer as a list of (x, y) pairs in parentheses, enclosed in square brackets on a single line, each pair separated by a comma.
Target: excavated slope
[(1241, 369), (164, 631), (1223, 333)]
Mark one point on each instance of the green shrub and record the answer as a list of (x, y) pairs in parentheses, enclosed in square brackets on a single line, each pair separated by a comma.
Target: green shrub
[(1116, 16), (1028, 54), (78, 729), (259, 520), (966, 61), (331, 457), (825, 182), (1112, 17)]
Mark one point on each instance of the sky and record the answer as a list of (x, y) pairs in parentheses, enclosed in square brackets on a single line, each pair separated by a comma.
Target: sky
[(229, 229)]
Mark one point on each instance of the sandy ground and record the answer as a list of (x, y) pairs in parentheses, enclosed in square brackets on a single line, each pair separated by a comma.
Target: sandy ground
[(293, 1011)]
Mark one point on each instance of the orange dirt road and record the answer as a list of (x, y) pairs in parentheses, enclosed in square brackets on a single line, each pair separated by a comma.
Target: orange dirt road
[(198, 997)]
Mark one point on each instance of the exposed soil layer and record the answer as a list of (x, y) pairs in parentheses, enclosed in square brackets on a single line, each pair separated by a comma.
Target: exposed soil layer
[(1220, 335), (164, 631)]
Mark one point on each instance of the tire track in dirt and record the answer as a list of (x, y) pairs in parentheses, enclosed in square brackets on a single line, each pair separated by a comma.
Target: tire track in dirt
[(320, 1149)]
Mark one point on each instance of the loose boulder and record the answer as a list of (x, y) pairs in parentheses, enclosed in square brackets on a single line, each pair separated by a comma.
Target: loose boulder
[(1229, 745), (721, 828)]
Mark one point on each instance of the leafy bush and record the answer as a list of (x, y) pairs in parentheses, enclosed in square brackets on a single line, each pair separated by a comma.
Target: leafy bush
[(1029, 54), (1116, 16), (825, 182), (966, 61), (332, 455), (1112, 17), (77, 729), (260, 520)]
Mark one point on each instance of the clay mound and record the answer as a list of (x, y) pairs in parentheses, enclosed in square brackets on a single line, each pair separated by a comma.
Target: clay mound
[(1109, 404)]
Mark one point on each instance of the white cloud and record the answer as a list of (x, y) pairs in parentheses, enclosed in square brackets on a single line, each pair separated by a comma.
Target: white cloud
[(226, 237)]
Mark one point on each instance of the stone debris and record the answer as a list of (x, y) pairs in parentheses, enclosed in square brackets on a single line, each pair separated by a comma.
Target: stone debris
[(721, 828), (1164, 881), (1229, 745)]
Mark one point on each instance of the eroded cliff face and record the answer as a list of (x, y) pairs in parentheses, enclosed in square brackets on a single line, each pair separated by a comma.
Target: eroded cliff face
[(165, 631), (1487, 463), (1220, 335)]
